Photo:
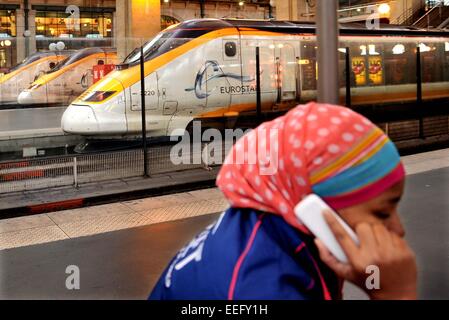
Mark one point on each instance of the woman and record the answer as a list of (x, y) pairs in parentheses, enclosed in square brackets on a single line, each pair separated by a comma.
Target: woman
[(259, 250)]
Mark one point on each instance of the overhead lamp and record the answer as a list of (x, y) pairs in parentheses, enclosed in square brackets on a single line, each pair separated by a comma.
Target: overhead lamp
[(424, 48), (384, 9)]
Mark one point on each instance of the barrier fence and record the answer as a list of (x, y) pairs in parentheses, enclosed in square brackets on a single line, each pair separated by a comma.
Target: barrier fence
[(76, 170)]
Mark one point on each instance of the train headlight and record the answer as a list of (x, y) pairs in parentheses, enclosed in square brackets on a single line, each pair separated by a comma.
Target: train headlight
[(98, 96)]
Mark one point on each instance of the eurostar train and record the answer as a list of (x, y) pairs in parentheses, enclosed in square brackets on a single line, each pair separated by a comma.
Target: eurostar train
[(22, 75), (68, 79), (205, 69)]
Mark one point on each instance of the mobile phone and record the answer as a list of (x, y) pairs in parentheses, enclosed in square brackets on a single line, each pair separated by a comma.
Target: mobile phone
[(310, 213)]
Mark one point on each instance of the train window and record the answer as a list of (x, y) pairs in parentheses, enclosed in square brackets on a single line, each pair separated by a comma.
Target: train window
[(358, 64), (432, 56), (230, 49), (170, 39), (78, 55), (342, 67), (446, 62), (97, 96), (400, 63), (367, 64), (28, 60), (308, 64)]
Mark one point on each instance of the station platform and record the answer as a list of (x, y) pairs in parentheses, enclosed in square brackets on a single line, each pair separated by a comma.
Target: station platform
[(122, 248), (36, 127), (14, 121)]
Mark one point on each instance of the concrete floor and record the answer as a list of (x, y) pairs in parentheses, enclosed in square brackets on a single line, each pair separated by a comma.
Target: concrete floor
[(125, 264)]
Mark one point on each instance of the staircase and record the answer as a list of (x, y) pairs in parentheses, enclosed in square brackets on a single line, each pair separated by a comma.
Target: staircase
[(436, 17), (411, 15)]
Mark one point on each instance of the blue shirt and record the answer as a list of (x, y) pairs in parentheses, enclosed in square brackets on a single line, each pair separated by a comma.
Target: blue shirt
[(248, 255)]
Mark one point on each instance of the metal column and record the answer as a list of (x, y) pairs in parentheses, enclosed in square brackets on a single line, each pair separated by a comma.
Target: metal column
[(143, 113), (327, 39)]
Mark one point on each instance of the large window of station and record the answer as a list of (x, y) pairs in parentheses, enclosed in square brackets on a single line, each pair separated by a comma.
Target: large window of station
[(167, 21), (94, 27), (57, 24), (7, 38), (7, 23)]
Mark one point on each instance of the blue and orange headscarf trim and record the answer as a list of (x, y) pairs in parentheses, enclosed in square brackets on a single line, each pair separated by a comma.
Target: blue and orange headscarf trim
[(378, 169)]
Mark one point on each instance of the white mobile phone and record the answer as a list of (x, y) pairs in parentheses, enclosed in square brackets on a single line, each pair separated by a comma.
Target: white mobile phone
[(310, 213)]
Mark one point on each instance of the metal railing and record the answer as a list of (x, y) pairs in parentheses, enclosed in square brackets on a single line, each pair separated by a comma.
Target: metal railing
[(431, 15), (409, 16), (76, 170)]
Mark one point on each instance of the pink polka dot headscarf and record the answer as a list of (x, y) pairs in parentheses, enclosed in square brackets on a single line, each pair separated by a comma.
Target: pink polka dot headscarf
[(315, 148)]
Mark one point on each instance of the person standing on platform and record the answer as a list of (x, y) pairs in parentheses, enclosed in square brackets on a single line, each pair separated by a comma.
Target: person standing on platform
[(258, 249)]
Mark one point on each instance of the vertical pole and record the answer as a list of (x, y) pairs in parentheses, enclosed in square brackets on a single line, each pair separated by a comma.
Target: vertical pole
[(258, 90), (419, 91), (202, 9), (298, 80), (143, 112), (27, 26), (75, 172), (327, 36), (348, 77), (278, 80)]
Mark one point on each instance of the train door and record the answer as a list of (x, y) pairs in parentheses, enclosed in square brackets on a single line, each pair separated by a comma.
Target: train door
[(156, 122), (308, 66), (287, 75), (151, 94), (246, 99), (222, 73)]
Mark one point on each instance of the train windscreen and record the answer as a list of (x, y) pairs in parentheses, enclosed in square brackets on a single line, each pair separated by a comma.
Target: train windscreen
[(74, 58), (170, 39), (27, 61)]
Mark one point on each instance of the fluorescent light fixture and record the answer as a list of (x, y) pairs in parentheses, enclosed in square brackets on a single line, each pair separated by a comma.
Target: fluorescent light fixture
[(424, 48), (399, 49), (372, 50), (363, 49), (446, 47)]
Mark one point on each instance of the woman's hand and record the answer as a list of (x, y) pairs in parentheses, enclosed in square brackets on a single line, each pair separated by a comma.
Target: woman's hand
[(378, 247)]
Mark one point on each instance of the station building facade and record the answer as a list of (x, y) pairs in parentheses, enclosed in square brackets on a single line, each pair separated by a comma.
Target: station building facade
[(27, 26)]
